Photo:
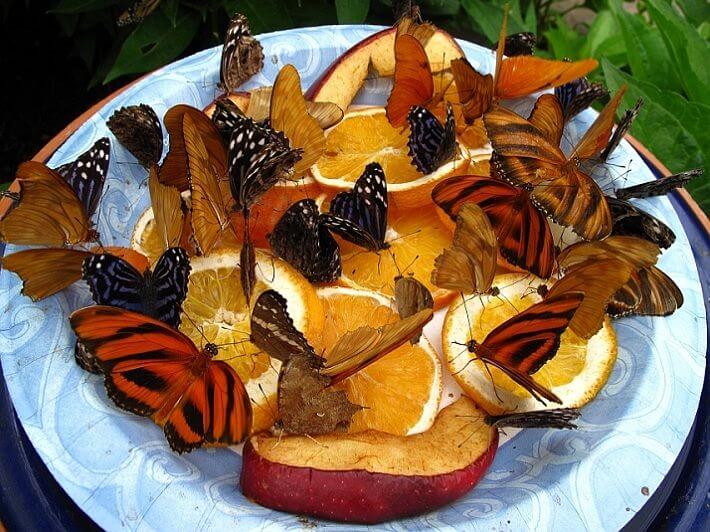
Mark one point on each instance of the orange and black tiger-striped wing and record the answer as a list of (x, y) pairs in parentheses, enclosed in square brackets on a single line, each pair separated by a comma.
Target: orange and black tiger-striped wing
[(474, 89), (524, 236), (527, 341), (649, 292), (413, 82), (548, 117)]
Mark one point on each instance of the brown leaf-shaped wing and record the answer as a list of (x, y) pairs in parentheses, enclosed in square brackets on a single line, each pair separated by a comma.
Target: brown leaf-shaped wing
[(363, 346), (137, 128), (410, 297), (242, 54), (167, 210)]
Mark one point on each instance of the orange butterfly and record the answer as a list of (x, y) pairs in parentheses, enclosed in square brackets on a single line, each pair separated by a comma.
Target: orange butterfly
[(174, 169), (169, 214), (528, 155), (513, 77), (44, 272), (153, 370), (599, 270), (648, 292)]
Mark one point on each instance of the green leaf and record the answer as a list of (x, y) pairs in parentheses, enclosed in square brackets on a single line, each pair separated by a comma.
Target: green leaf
[(673, 128), (170, 8), (488, 17), (564, 41), (603, 39), (690, 52), (647, 54), (696, 11), (263, 15), (154, 43), (70, 7), (440, 8), (351, 11)]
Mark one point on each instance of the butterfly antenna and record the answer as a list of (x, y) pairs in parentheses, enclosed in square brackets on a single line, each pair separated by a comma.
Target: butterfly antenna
[(316, 441), (471, 435), (411, 263), (400, 237), (394, 260), (197, 328), (502, 297), (468, 317), (493, 382), (274, 413)]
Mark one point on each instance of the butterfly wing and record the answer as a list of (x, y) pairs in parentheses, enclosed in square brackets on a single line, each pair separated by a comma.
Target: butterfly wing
[(410, 297), (303, 242), (137, 128), (289, 114), (522, 43), (624, 125), (474, 89), (242, 54), (649, 292), (209, 214), (577, 95), (45, 272), (175, 167), (548, 118), (87, 174), (49, 213), (596, 138), (114, 282), (524, 343), (430, 143), (359, 348), (523, 75), (658, 187), (364, 207), (637, 252), (167, 210), (273, 331), (524, 236), (469, 265), (413, 82), (167, 288), (629, 220), (226, 116)]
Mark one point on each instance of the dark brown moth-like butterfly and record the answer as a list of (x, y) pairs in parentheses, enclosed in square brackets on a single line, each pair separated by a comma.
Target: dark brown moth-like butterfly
[(306, 403), (242, 55), (658, 187), (630, 220), (137, 128)]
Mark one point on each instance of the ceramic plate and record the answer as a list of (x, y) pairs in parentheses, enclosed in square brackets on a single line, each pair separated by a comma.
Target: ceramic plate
[(119, 469)]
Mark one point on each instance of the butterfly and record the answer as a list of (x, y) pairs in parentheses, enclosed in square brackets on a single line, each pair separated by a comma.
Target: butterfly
[(360, 215), (513, 77), (289, 114), (306, 405), (87, 174), (629, 220), (153, 370), (413, 80), (658, 187), (137, 11), (523, 233), (411, 297), (627, 119), (431, 144), (209, 209), (226, 116), (158, 293), (648, 292), (469, 265), (523, 344), (577, 95), (302, 239), (137, 128), (242, 54), (174, 168), (168, 212), (598, 270), (46, 271), (522, 43), (530, 157)]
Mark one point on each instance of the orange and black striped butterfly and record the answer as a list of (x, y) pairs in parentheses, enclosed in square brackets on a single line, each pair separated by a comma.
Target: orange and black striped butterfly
[(523, 233), (523, 344), (153, 370), (599, 270), (513, 77), (529, 156), (305, 404)]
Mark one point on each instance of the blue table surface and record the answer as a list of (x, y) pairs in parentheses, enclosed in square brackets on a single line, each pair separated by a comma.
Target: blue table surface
[(30, 498)]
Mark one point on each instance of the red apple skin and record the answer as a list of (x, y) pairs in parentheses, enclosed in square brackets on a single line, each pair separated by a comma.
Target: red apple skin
[(356, 496)]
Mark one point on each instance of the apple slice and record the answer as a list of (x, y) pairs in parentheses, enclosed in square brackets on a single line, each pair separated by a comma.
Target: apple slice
[(371, 477), (342, 80)]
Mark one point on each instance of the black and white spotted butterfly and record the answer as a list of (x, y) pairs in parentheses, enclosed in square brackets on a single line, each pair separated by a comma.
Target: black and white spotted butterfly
[(258, 157), (360, 215), (137, 128), (629, 220), (242, 55), (577, 95), (658, 187), (301, 238), (87, 174), (431, 144), (158, 293), (519, 44), (226, 116)]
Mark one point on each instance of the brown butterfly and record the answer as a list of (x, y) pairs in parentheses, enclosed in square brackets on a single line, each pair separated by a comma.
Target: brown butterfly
[(513, 77), (242, 54), (599, 270), (648, 292), (469, 265), (411, 297), (327, 114), (168, 212), (530, 157), (174, 168), (306, 404), (137, 128)]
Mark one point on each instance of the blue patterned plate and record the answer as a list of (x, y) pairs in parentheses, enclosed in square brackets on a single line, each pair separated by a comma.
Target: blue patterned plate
[(120, 471)]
